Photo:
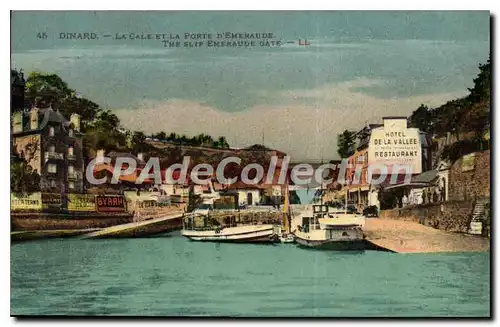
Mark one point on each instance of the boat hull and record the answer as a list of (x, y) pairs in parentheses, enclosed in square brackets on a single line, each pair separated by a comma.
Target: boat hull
[(332, 239), (240, 234), (352, 245)]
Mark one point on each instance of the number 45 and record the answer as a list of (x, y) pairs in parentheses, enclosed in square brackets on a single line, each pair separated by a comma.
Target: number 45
[(42, 35)]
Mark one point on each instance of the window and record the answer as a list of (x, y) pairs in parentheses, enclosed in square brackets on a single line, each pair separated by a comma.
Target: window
[(51, 131), (70, 169), (52, 183), (52, 168), (52, 148), (70, 132), (71, 185), (70, 150)]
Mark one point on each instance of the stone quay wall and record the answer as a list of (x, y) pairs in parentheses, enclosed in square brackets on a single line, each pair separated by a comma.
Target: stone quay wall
[(471, 184), (467, 183), (453, 216)]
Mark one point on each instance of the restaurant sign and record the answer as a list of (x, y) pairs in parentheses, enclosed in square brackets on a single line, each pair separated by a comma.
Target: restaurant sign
[(110, 203), (395, 144)]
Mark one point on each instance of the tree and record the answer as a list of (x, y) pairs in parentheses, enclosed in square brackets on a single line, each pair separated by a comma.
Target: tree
[(160, 136), (23, 178), (172, 137), (49, 90), (106, 120), (449, 117), (345, 141), (138, 142), (221, 143), (104, 133), (482, 84), (421, 118)]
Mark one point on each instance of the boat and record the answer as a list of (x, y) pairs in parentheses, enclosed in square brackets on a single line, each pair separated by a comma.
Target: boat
[(323, 228), (287, 238), (260, 233), (207, 223)]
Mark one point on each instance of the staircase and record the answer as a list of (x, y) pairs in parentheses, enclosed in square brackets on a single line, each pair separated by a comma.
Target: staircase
[(478, 216), (479, 212)]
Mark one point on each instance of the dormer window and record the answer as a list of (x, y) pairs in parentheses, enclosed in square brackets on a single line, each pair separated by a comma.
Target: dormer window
[(52, 168), (51, 131)]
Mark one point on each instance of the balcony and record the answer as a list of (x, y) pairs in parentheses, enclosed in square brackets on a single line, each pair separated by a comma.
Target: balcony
[(72, 176), (71, 157)]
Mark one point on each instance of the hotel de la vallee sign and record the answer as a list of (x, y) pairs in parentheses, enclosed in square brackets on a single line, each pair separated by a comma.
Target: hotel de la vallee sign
[(395, 144)]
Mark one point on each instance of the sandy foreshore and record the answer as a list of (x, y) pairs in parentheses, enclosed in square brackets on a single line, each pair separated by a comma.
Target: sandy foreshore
[(410, 237)]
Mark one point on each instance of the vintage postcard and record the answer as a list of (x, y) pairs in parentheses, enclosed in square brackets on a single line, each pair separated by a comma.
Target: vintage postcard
[(250, 163)]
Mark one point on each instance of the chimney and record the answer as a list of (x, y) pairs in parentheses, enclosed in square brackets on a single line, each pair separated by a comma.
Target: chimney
[(75, 120), (17, 122), (34, 118), (100, 156)]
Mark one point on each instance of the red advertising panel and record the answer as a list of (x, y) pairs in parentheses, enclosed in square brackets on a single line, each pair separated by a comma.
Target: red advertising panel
[(111, 203)]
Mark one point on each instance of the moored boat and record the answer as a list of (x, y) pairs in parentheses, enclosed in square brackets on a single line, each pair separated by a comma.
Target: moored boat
[(287, 238), (265, 233), (321, 228)]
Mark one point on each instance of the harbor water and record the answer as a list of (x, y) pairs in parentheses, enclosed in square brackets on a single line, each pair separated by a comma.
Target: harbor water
[(171, 276)]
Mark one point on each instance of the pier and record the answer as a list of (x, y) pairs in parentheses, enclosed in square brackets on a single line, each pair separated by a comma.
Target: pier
[(409, 237), (141, 228)]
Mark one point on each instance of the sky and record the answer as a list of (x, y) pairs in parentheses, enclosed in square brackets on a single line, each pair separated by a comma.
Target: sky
[(358, 68)]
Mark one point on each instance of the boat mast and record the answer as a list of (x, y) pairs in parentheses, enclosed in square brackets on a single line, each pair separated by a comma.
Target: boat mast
[(345, 205), (286, 209)]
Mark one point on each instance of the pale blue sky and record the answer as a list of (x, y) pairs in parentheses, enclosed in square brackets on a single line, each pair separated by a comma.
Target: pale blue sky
[(360, 66)]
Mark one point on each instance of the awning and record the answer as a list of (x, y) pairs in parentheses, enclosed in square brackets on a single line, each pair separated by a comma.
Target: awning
[(425, 177), (409, 185)]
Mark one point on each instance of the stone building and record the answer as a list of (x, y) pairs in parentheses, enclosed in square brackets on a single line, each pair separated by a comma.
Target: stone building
[(52, 146), (390, 144)]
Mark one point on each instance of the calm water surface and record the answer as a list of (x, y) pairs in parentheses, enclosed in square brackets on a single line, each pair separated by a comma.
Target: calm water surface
[(173, 276)]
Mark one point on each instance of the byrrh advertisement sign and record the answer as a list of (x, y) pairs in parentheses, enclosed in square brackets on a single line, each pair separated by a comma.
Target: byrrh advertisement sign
[(395, 144)]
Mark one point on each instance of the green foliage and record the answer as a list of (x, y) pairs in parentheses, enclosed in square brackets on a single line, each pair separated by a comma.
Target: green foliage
[(23, 178), (421, 119), (455, 151), (197, 140), (44, 90), (482, 83), (449, 117), (161, 136), (470, 114), (221, 143), (345, 142)]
